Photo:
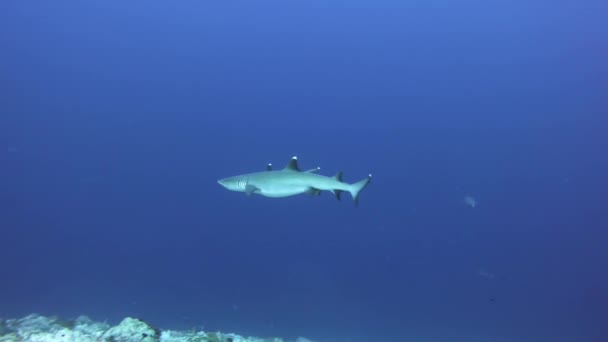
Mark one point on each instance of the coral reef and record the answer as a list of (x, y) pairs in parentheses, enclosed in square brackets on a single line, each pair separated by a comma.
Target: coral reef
[(37, 328)]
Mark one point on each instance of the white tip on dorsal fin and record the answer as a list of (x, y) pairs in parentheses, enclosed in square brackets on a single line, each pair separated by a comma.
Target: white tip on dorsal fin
[(293, 164), (269, 167)]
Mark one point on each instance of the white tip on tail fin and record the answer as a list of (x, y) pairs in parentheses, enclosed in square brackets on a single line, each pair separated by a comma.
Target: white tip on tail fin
[(357, 187)]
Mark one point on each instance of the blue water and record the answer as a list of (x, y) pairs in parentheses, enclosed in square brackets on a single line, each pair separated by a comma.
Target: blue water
[(117, 118)]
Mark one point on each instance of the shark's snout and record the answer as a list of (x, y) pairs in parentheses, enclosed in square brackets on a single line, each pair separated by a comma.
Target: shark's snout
[(228, 183), (233, 183)]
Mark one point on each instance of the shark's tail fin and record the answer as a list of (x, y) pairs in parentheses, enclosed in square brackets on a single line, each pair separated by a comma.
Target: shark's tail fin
[(357, 187)]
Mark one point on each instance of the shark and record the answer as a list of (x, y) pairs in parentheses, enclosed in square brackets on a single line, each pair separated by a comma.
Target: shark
[(291, 181)]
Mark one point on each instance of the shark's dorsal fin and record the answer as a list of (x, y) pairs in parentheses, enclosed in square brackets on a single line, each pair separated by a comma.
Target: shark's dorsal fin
[(269, 167), (293, 164)]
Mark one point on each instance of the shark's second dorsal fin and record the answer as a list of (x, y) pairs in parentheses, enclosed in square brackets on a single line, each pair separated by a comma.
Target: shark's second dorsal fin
[(293, 164), (269, 167), (338, 176)]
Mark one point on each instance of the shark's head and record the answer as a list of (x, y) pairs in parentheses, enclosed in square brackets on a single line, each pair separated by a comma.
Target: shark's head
[(237, 183)]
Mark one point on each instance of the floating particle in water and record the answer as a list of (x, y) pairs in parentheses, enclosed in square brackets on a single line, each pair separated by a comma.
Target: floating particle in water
[(470, 201), (483, 273)]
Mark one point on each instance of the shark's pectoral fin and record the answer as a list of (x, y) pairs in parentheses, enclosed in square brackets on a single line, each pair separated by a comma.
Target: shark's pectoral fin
[(313, 192), (313, 170), (250, 189)]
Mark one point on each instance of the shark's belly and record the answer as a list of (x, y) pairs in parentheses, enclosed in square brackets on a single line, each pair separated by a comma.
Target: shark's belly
[(282, 191)]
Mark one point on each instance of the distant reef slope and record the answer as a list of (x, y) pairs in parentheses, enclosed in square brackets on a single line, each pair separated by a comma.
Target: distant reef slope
[(37, 328)]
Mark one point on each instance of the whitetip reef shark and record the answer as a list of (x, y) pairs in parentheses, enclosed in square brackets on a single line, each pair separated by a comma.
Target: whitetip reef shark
[(291, 181)]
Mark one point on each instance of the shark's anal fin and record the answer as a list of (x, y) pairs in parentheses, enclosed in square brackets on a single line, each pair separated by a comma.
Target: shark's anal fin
[(250, 189), (336, 192), (269, 167), (293, 164)]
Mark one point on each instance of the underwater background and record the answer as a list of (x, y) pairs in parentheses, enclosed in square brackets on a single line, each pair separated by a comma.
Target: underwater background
[(118, 117)]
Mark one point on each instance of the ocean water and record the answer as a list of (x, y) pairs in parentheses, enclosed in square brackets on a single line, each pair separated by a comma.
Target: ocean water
[(118, 117)]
